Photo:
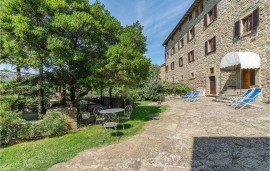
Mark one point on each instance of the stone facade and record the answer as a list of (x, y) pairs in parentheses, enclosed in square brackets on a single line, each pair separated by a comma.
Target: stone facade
[(205, 66), (162, 71)]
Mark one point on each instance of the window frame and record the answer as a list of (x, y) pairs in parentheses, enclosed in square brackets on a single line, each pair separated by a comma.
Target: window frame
[(172, 51), (181, 62), (181, 42), (193, 56), (210, 45), (172, 65)]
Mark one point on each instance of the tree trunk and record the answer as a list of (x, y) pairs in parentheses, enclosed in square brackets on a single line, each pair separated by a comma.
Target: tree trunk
[(122, 96), (110, 92), (18, 74), (72, 90), (101, 94), (41, 109)]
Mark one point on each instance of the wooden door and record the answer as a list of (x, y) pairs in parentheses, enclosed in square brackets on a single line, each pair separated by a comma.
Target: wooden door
[(212, 85), (245, 78)]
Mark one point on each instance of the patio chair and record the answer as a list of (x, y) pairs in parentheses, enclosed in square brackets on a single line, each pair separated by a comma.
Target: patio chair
[(126, 116), (188, 95), (234, 100), (247, 101), (195, 96), (110, 121), (99, 117)]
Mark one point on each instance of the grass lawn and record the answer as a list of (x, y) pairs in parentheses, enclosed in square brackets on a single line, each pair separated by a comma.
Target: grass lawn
[(41, 154)]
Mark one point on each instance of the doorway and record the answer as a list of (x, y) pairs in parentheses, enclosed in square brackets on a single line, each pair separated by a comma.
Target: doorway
[(212, 84)]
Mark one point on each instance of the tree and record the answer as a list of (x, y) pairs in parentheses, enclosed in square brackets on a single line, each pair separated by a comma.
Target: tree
[(25, 22)]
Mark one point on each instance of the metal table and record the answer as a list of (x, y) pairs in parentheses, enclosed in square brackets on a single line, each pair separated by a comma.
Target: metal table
[(114, 110)]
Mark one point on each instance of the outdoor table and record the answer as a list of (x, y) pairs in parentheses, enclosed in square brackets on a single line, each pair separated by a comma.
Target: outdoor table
[(112, 111)]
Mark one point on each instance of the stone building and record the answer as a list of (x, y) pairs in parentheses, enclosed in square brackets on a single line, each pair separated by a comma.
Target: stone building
[(214, 31)]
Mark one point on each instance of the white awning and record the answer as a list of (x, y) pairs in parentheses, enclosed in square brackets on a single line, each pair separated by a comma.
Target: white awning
[(246, 60)]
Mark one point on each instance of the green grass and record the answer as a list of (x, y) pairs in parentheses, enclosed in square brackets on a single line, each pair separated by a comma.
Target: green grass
[(41, 154)]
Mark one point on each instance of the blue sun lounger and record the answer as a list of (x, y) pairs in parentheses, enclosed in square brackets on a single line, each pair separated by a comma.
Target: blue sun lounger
[(234, 100), (247, 101), (188, 95), (195, 96)]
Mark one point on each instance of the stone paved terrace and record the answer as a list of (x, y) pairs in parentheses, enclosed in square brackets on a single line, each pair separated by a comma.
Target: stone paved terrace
[(201, 136)]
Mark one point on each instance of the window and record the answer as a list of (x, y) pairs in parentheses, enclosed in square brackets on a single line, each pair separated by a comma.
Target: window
[(173, 51), (246, 24), (167, 68), (172, 66), (190, 17), (182, 77), (210, 16), (180, 29), (192, 75), (181, 43), (211, 70), (191, 34), (199, 10), (210, 45), (191, 56), (181, 62), (167, 54)]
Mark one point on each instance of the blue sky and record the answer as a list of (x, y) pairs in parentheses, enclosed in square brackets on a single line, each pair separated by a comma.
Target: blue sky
[(158, 17)]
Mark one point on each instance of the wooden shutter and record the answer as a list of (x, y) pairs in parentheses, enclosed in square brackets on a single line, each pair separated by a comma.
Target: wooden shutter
[(214, 42), (205, 20), (206, 48), (193, 30), (193, 56), (187, 36), (255, 18), (237, 29), (215, 11)]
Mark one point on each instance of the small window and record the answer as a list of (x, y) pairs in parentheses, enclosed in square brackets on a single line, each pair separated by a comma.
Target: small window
[(192, 75), (210, 16), (191, 56), (180, 29), (172, 66), (199, 10), (211, 70), (181, 43), (247, 22), (167, 54), (167, 68), (182, 77), (181, 62), (173, 51), (191, 34), (190, 17), (210, 45)]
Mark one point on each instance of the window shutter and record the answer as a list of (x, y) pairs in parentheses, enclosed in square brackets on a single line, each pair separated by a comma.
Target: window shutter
[(215, 46), (187, 36), (237, 29), (205, 20), (206, 48), (193, 30), (215, 11), (182, 42), (255, 18), (193, 56)]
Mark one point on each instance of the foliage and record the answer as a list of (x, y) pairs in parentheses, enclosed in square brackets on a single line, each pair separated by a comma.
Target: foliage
[(47, 152), (53, 124)]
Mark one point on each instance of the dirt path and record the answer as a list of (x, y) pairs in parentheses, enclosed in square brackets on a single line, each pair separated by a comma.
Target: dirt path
[(202, 135)]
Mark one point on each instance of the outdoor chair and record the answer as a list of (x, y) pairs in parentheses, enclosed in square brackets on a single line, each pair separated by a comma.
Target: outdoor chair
[(99, 117), (247, 101), (195, 96), (188, 95), (234, 100), (126, 116), (110, 121)]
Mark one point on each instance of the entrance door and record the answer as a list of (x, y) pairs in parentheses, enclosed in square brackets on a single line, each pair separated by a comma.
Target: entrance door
[(246, 78), (212, 85)]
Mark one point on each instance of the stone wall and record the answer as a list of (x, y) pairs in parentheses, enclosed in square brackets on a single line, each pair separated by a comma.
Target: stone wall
[(162, 72), (228, 12)]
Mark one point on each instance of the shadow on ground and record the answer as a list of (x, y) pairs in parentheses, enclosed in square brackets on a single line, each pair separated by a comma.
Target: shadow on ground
[(231, 153)]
